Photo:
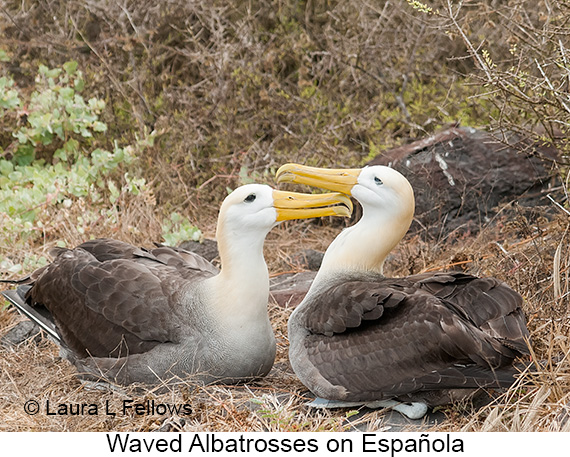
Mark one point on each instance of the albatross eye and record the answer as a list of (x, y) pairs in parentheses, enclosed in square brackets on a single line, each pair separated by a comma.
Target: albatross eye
[(250, 198), (378, 181)]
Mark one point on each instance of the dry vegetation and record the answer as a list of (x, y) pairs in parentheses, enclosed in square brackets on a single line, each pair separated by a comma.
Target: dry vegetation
[(234, 89)]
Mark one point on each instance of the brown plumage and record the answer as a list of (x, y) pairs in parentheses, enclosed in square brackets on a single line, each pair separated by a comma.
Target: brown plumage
[(119, 299), (359, 337), (378, 338), (129, 315)]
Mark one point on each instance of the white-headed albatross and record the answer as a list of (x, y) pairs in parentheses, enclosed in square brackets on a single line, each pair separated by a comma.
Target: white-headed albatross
[(129, 315), (361, 338)]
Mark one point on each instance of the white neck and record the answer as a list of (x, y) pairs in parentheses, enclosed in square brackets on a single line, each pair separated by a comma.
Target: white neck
[(241, 291), (365, 246)]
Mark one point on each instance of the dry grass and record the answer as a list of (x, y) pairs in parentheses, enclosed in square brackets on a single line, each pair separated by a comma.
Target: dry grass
[(515, 249), (237, 88)]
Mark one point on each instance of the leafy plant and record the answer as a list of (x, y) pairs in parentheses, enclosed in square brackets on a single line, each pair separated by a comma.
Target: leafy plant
[(56, 110), (178, 229), (55, 160), (8, 96)]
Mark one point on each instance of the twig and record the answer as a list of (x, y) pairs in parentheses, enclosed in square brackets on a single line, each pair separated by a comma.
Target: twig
[(436, 268), (556, 272), (208, 181), (14, 22), (105, 63), (466, 40), (563, 54), (558, 204), (554, 91)]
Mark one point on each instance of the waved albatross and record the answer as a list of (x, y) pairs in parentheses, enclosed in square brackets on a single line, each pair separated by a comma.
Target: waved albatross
[(426, 339), (129, 315)]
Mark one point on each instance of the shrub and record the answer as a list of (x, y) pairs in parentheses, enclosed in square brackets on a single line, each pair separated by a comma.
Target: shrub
[(521, 56), (53, 161)]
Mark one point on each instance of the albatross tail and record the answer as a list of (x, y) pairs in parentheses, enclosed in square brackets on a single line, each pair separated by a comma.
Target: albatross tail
[(39, 314)]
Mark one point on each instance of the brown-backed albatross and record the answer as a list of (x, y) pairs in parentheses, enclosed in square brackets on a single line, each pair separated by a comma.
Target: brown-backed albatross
[(423, 340), (125, 314)]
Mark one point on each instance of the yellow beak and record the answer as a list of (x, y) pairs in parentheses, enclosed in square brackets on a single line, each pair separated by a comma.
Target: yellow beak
[(294, 205), (335, 179)]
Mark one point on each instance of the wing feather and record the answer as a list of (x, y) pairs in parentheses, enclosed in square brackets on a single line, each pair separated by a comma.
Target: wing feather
[(382, 337), (129, 295)]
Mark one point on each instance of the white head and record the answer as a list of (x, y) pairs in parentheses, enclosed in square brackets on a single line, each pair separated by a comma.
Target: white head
[(237, 297), (387, 201), (259, 208), (383, 190), (251, 211), (248, 208)]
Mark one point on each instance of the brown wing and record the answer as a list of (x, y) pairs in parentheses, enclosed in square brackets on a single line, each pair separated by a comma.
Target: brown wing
[(487, 302), (104, 249), (115, 299), (385, 337), (185, 262)]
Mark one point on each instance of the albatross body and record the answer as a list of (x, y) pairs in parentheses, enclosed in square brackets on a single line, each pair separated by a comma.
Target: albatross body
[(361, 338), (129, 315)]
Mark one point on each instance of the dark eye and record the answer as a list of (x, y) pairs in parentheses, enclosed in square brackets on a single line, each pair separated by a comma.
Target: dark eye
[(250, 198), (378, 181)]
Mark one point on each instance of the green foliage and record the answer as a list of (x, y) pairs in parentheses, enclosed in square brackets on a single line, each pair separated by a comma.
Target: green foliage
[(30, 262), (419, 6), (8, 96), (54, 121), (178, 229), (56, 110)]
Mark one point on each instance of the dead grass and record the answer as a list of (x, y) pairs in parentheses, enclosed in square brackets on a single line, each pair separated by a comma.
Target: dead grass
[(234, 89), (237, 88), (515, 249)]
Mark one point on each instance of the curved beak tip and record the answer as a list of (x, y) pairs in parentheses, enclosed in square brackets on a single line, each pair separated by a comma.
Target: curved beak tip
[(339, 180), (285, 173), (285, 177)]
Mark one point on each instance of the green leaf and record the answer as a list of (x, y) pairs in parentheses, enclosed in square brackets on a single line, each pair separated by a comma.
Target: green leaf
[(85, 133), (67, 93), (6, 167), (60, 154), (53, 73), (179, 229), (70, 67), (9, 98), (99, 126), (79, 84), (114, 191), (71, 147), (25, 154), (96, 104)]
